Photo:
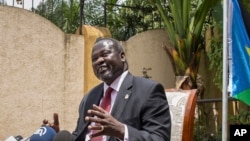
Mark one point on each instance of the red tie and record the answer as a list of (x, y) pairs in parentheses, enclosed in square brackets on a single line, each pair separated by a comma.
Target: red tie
[(106, 101), (106, 105)]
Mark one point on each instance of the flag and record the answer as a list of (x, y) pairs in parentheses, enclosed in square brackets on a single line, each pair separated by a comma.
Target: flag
[(240, 55)]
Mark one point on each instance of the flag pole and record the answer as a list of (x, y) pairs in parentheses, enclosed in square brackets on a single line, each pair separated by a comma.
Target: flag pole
[(225, 72)]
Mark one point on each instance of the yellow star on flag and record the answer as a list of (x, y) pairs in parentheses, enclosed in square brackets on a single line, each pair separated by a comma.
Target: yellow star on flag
[(248, 52)]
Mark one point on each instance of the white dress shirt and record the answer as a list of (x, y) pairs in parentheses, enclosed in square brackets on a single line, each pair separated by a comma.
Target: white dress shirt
[(116, 87)]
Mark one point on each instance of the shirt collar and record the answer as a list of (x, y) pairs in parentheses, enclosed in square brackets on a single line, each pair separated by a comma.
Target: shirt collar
[(117, 83)]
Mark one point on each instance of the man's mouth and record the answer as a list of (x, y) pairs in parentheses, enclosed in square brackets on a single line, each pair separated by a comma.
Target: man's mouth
[(102, 69)]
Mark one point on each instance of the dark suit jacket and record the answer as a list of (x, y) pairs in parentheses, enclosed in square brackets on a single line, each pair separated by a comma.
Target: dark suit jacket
[(145, 112)]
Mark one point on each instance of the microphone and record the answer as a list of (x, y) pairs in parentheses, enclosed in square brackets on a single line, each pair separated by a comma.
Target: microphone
[(16, 138), (63, 135), (44, 133)]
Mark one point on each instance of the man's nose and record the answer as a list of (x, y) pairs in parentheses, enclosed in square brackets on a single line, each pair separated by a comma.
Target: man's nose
[(100, 60)]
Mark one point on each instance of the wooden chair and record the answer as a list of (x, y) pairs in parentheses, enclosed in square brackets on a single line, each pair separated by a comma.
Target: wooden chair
[(182, 109)]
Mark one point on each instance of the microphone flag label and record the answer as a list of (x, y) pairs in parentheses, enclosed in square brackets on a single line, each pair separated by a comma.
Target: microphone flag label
[(44, 133), (41, 131), (240, 132)]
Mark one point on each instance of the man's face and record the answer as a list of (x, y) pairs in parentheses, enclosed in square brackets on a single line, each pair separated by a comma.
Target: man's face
[(107, 61)]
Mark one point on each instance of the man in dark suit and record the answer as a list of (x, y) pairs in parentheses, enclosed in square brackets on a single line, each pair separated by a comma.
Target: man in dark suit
[(139, 109)]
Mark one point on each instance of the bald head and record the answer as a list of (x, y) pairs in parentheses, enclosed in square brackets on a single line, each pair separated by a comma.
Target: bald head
[(110, 42), (108, 59)]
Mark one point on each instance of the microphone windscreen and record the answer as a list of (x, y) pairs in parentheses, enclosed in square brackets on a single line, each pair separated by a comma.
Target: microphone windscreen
[(63, 135), (18, 137), (44, 133)]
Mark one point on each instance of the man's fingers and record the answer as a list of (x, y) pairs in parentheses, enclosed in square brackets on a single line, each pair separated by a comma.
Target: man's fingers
[(97, 113), (95, 134), (45, 121), (98, 108), (96, 127), (55, 125), (99, 128), (93, 119), (56, 119)]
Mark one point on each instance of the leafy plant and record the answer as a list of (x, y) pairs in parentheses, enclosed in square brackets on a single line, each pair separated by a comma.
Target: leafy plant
[(184, 24), (246, 3), (205, 125), (93, 12), (215, 55), (214, 44), (130, 17), (201, 134), (242, 117), (64, 14)]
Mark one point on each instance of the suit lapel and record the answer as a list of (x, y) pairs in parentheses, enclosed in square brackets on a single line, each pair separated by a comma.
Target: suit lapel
[(121, 100), (93, 97), (122, 96)]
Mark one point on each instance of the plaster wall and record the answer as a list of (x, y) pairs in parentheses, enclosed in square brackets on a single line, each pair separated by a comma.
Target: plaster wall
[(145, 50), (41, 73)]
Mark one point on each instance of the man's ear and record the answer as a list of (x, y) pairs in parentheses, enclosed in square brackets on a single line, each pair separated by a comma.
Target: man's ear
[(123, 57)]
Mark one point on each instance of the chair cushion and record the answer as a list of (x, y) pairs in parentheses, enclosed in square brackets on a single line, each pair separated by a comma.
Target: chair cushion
[(177, 102)]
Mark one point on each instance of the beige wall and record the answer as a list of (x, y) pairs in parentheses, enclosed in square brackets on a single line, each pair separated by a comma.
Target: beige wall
[(145, 50), (41, 73)]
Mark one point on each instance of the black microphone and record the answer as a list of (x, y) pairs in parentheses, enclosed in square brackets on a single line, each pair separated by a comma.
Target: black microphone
[(63, 135), (18, 138)]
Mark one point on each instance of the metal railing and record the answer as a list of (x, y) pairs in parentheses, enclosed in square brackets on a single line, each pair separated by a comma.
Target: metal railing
[(144, 10), (208, 117), (133, 16), (25, 4)]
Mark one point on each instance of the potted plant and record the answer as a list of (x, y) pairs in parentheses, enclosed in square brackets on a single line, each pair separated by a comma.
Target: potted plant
[(184, 24)]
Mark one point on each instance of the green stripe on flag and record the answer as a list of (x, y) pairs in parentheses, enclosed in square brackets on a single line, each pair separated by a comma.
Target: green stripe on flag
[(244, 96)]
